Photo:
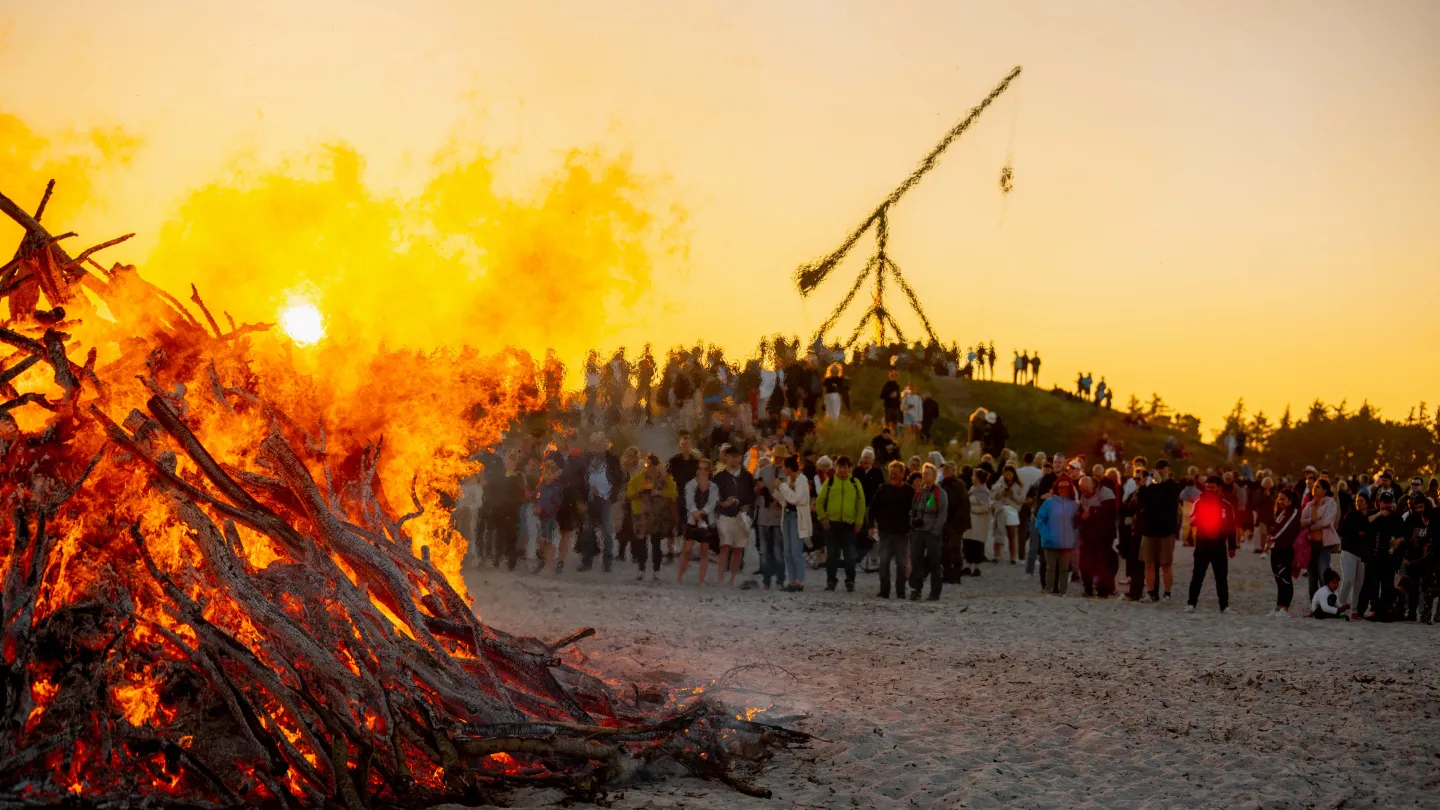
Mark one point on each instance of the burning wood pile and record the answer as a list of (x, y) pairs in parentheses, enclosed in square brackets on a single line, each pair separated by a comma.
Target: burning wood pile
[(209, 600)]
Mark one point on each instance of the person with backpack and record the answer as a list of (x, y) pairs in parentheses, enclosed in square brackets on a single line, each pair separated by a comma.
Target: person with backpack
[(841, 509), (928, 511)]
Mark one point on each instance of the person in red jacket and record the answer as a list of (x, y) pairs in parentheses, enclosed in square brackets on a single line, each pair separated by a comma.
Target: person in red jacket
[(1213, 523)]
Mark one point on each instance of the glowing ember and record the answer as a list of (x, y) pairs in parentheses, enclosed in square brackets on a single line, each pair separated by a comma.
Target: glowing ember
[(303, 323)]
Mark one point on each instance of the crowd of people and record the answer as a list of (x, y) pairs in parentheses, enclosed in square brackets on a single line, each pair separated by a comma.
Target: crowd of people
[(754, 485)]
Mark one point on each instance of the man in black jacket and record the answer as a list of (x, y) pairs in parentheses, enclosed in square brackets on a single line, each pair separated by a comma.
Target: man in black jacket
[(1213, 521), (871, 478), (891, 515), (605, 482), (886, 450), (890, 400), (1158, 521), (957, 522)]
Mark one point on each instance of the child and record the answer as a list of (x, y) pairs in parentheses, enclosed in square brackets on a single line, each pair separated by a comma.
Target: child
[(1325, 604)]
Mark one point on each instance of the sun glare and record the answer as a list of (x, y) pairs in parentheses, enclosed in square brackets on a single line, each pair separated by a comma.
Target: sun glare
[(303, 323)]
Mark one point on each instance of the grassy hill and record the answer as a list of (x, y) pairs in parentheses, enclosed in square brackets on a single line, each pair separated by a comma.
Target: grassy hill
[(1037, 419)]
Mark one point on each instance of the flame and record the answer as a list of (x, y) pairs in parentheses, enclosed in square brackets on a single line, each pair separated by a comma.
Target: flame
[(140, 702)]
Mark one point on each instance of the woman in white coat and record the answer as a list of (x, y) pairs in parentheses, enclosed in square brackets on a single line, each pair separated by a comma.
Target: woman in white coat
[(796, 527)]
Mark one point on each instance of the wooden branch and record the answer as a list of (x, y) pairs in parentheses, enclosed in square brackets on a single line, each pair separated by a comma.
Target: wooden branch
[(578, 635), (195, 297), (45, 200)]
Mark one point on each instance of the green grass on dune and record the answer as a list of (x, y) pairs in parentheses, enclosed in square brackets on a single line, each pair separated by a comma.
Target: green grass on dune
[(1038, 420)]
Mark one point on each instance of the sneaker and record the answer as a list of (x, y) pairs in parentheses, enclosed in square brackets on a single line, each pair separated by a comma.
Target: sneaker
[(1147, 599), (830, 586), (1189, 608), (1282, 614), (849, 587), (1165, 600), (914, 596), (655, 577), (1224, 611)]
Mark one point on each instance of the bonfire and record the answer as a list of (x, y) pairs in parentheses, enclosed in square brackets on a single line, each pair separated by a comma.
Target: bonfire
[(211, 599)]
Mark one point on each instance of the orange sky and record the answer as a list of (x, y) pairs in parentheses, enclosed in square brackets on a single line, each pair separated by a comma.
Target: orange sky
[(1211, 199)]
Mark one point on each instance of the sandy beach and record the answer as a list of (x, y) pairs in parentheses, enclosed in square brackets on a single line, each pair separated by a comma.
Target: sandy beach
[(999, 696)]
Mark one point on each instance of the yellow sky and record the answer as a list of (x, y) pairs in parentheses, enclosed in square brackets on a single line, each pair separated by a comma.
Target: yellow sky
[(1211, 199)]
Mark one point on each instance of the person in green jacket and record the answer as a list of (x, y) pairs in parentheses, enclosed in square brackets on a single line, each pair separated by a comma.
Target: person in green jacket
[(652, 496), (841, 509)]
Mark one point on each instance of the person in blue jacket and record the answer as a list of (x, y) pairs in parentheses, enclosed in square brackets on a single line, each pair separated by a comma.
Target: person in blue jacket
[(1058, 523)]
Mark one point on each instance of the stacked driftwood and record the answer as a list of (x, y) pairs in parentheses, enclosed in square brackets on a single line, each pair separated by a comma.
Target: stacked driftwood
[(147, 657)]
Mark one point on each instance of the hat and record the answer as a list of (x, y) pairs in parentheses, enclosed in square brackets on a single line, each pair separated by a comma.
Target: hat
[(780, 452), (867, 452), (992, 417), (1075, 465), (1310, 468)]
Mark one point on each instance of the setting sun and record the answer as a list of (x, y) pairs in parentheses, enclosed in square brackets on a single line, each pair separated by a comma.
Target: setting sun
[(303, 323)]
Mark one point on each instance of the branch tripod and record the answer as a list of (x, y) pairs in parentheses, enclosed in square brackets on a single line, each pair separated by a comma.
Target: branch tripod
[(808, 277)]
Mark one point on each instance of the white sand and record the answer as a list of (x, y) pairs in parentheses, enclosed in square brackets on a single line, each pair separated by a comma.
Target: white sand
[(997, 696)]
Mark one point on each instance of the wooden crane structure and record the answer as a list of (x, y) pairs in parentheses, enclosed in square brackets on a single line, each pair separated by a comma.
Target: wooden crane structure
[(809, 276)]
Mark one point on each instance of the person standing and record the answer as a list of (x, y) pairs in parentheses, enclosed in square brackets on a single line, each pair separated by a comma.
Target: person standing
[(1008, 495), (929, 415), (734, 514), (702, 498), (631, 465), (1097, 538), (981, 517), (682, 468), (1418, 553), (957, 520), (769, 514), (914, 408), (890, 400), (605, 483), (1214, 524), (1035, 369), (991, 357), (841, 508), (1159, 519), (1319, 519), (1058, 524), (1284, 533), (890, 512), (834, 385), (1262, 507), (1387, 529), (793, 492), (1355, 546), (928, 510), (652, 497), (871, 478)]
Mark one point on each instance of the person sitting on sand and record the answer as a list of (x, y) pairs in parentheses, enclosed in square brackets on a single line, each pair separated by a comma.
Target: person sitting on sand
[(1325, 604)]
